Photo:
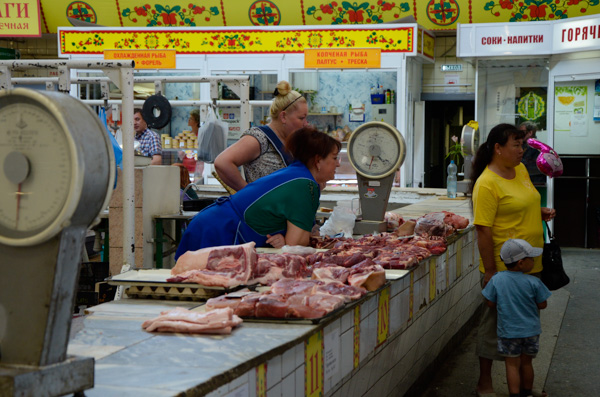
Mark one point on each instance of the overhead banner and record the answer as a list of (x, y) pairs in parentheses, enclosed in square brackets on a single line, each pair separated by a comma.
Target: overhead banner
[(433, 15), (20, 19), (242, 41), (354, 58)]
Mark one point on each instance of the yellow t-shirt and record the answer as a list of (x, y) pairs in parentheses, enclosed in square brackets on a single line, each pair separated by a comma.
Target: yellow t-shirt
[(512, 208)]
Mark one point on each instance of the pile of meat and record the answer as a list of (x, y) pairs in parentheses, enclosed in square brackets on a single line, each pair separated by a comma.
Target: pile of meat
[(312, 285), (289, 298), (220, 321)]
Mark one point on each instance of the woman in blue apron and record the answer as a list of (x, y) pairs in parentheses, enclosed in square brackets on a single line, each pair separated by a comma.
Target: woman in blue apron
[(261, 150), (278, 209)]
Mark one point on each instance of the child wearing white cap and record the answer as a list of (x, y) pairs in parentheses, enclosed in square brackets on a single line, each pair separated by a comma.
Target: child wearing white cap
[(518, 298)]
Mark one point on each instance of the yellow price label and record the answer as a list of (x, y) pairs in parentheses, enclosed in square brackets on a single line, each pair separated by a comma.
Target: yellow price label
[(261, 380), (313, 368), (383, 315), (356, 336), (411, 296), (432, 280)]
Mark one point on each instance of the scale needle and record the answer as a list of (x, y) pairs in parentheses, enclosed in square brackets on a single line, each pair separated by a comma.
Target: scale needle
[(371, 163), (18, 206)]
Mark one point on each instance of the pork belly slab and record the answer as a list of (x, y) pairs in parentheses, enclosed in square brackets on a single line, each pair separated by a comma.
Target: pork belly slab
[(217, 321)]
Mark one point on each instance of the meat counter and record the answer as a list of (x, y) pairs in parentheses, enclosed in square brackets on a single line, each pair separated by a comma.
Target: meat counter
[(379, 346)]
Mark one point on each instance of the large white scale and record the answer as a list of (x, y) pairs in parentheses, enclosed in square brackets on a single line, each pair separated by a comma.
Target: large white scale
[(56, 175), (470, 143), (376, 150)]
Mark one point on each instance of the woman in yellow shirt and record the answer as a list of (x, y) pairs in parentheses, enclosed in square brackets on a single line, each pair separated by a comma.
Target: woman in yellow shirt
[(506, 205)]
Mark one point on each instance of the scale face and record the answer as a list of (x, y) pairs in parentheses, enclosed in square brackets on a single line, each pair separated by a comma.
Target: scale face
[(376, 150), (37, 176), (469, 139)]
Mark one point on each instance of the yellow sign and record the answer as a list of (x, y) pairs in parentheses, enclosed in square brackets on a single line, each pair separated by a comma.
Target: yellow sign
[(313, 367), (261, 380), (347, 58), (20, 19), (247, 41), (432, 280), (356, 336), (145, 59), (383, 315)]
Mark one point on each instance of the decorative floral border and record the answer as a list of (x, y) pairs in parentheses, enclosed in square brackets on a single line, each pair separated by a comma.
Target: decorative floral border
[(235, 41)]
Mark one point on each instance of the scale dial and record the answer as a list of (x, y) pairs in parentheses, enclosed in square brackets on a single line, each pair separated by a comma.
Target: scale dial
[(48, 141), (36, 170), (376, 150), (470, 138)]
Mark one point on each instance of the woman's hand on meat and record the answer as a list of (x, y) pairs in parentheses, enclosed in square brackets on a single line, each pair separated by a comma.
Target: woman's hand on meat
[(277, 240), (548, 213)]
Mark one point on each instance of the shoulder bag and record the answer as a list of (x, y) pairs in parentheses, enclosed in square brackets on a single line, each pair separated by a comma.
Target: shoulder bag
[(553, 273)]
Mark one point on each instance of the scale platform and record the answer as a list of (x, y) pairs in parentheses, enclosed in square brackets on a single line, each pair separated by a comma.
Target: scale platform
[(369, 227), (73, 375)]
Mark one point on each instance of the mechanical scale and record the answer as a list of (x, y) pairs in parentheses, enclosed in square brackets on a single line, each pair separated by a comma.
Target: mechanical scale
[(376, 150), (469, 139), (57, 171)]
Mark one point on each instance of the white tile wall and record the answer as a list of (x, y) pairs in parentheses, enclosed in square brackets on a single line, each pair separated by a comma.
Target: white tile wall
[(275, 391), (347, 352), (299, 376), (273, 371), (288, 362), (288, 385)]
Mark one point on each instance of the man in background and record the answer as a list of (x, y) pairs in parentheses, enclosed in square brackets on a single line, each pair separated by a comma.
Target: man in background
[(149, 140)]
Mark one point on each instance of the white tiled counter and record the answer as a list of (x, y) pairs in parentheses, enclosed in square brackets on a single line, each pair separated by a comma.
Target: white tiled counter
[(378, 347)]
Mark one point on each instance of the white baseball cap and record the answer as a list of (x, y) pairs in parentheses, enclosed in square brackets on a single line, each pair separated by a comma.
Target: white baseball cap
[(514, 250)]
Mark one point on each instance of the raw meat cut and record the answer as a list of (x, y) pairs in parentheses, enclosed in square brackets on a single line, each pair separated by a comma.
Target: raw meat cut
[(393, 220), (292, 287), (313, 306), (224, 266), (217, 321), (367, 274), (406, 229), (456, 221), (272, 267), (347, 292), (432, 224), (331, 273), (199, 259)]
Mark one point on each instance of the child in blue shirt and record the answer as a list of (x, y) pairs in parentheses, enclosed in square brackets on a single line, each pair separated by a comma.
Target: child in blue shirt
[(518, 298)]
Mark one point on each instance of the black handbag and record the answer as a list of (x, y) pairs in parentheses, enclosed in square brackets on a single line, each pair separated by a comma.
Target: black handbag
[(553, 273)]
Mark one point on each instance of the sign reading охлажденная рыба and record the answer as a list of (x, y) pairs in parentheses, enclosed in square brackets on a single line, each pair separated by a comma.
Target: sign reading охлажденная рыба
[(145, 59), (20, 18)]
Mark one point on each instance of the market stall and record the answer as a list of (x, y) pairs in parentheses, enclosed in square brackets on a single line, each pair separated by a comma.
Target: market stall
[(327, 65), (546, 72), (379, 344)]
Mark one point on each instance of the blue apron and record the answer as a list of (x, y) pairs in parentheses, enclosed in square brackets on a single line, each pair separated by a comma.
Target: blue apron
[(222, 223)]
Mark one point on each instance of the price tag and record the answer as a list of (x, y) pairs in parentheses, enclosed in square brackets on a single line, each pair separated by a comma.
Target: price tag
[(261, 380), (383, 315), (356, 336), (411, 298), (432, 280), (459, 258), (313, 368)]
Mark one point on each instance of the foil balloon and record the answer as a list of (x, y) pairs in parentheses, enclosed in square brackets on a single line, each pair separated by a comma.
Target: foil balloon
[(548, 161)]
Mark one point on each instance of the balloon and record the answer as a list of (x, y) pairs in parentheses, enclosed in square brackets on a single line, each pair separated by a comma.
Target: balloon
[(548, 161)]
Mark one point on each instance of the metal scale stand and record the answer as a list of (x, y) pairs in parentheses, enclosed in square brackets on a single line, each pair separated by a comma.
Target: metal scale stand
[(56, 174), (376, 150), (470, 143)]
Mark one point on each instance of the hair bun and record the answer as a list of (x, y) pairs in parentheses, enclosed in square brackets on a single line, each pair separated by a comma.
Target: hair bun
[(283, 88)]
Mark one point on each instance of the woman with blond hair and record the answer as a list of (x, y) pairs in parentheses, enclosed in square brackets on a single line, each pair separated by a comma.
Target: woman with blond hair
[(261, 150)]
